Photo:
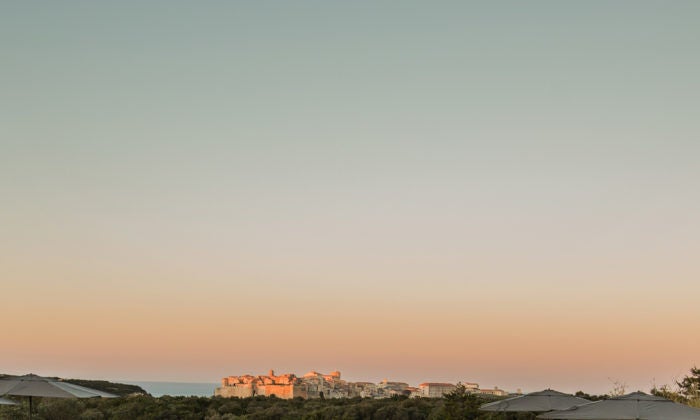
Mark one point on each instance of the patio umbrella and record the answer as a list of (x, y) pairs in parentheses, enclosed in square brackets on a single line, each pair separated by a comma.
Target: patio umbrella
[(634, 406), (36, 386), (546, 400), (5, 401)]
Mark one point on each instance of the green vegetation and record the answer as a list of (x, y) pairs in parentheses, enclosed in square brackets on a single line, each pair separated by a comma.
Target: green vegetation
[(458, 405), (590, 397), (131, 406), (686, 391)]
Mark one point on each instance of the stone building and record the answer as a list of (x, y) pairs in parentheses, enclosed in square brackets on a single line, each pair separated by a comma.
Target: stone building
[(287, 386), (386, 389), (471, 386), (319, 385), (283, 386), (495, 391), (435, 389)]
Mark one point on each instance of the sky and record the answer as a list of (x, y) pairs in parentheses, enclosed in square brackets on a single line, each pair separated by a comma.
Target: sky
[(494, 192)]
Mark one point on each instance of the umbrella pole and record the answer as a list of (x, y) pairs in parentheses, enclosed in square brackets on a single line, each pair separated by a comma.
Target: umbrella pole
[(30, 407)]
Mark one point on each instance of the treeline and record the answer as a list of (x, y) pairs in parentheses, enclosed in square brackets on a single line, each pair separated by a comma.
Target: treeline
[(684, 391), (145, 407), (456, 405)]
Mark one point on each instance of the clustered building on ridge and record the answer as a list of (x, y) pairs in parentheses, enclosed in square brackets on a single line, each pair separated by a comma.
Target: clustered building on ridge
[(318, 385)]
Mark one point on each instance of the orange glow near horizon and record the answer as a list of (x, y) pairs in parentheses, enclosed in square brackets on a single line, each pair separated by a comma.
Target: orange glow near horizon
[(463, 192), (202, 336)]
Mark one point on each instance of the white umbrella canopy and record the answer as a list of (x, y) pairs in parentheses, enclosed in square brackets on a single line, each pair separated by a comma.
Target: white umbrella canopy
[(536, 402), (36, 386), (5, 401), (634, 406)]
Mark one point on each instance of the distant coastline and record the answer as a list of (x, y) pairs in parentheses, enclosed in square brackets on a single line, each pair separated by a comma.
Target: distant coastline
[(176, 389)]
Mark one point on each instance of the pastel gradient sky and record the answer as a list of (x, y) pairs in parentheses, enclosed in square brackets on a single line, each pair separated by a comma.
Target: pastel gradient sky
[(501, 192)]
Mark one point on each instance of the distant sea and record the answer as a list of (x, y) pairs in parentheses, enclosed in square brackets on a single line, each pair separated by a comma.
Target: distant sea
[(186, 389)]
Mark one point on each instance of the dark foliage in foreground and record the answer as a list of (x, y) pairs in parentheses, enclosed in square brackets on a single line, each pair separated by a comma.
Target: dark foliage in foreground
[(455, 406)]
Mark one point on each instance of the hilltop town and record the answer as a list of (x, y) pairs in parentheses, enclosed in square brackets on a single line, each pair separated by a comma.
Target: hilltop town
[(318, 385)]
